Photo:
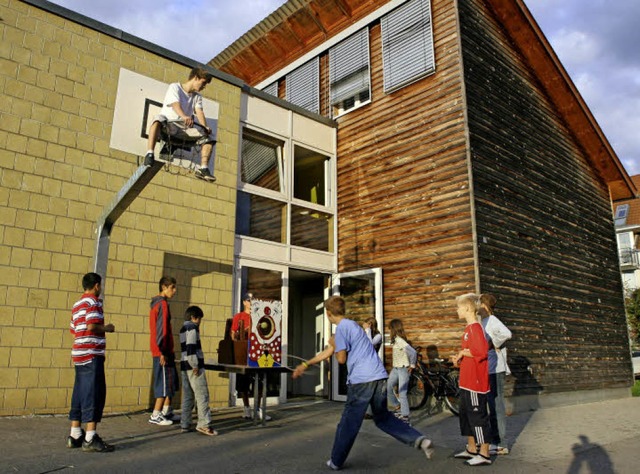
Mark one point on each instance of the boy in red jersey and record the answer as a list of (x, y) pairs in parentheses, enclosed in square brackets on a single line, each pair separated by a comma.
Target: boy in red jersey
[(165, 374), (89, 388), (474, 383)]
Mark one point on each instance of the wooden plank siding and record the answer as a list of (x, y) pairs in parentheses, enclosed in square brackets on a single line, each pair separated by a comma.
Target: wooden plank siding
[(546, 241), (488, 175), (403, 191)]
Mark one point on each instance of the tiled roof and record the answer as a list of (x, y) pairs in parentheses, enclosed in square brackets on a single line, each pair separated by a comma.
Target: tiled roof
[(633, 218)]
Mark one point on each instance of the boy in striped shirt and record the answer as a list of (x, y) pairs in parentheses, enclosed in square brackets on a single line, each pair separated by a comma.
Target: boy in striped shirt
[(89, 388), (194, 381)]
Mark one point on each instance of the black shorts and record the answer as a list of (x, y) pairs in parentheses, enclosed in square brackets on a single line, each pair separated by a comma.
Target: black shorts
[(474, 416), (244, 383)]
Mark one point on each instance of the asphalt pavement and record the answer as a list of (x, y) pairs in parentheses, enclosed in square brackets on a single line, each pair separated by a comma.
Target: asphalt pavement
[(601, 437)]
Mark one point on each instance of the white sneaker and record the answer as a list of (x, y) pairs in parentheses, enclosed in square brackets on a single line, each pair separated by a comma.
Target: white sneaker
[(499, 450), (332, 466), (263, 416), (248, 413), (160, 420)]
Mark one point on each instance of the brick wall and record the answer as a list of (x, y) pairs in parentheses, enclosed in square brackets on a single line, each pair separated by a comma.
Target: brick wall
[(59, 81)]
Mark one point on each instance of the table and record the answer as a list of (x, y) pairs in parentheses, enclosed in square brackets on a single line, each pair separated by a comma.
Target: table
[(256, 372)]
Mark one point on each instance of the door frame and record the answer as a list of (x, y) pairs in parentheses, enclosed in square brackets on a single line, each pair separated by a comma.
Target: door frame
[(284, 295), (376, 273)]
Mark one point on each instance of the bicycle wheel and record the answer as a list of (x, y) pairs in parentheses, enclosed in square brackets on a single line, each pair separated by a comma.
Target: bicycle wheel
[(417, 391), (452, 392)]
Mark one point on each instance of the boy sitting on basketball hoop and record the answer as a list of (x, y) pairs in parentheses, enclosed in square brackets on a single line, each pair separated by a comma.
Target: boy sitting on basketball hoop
[(181, 102)]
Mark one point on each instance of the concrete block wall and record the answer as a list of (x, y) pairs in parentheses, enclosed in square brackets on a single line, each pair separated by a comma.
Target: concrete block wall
[(58, 81)]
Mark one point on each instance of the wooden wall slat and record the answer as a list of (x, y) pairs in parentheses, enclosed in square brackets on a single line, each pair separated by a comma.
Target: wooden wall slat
[(546, 241)]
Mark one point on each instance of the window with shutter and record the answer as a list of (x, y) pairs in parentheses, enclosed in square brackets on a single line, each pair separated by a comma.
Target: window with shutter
[(303, 86), (272, 89), (407, 44), (349, 72)]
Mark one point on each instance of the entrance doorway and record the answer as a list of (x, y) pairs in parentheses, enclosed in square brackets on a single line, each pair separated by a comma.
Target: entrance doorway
[(307, 328)]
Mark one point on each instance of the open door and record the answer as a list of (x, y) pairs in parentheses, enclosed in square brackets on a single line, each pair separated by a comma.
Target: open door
[(362, 292)]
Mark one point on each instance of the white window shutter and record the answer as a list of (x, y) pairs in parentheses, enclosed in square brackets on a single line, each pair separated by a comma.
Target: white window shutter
[(407, 44), (303, 86), (271, 89), (349, 67)]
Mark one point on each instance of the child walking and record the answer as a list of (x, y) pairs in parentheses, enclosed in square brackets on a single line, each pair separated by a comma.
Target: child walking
[(194, 381), (404, 361)]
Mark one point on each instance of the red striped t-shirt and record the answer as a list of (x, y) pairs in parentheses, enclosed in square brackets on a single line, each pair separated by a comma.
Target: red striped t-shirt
[(86, 344)]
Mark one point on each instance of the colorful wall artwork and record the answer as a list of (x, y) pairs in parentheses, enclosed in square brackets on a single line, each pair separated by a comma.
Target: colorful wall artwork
[(265, 339)]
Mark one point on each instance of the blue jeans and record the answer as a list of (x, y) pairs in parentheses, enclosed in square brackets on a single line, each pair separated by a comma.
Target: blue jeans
[(359, 397), (497, 412), (89, 392), (399, 376), (194, 388)]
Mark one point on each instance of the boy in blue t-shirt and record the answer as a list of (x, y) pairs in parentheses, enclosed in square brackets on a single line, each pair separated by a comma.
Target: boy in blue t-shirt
[(366, 385)]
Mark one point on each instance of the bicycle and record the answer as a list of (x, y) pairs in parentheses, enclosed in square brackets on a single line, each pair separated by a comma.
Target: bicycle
[(438, 379)]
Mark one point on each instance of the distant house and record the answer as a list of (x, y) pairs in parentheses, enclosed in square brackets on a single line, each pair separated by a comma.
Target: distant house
[(466, 161), (627, 221)]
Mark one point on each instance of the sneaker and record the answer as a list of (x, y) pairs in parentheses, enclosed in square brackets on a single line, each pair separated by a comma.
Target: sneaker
[(75, 443), (160, 420), (478, 460), (96, 445), (207, 430), (263, 416), (401, 417), (171, 416), (204, 173), (149, 159), (248, 413), (427, 446), (497, 449), (332, 466), (466, 454)]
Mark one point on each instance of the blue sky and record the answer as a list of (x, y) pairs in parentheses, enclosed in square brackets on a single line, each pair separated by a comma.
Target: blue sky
[(596, 40)]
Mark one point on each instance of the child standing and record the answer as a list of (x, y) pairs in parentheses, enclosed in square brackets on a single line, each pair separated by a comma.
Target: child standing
[(474, 383), (497, 334), (370, 326), (404, 361), (194, 381), (165, 375)]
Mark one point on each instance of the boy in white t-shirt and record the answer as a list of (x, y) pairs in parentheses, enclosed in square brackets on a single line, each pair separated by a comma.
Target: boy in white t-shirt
[(181, 103)]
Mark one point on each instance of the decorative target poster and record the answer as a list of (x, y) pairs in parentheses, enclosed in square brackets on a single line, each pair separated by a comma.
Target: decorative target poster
[(265, 338)]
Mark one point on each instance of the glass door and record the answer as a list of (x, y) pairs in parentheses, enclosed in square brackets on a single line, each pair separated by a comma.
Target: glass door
[(362, 292)]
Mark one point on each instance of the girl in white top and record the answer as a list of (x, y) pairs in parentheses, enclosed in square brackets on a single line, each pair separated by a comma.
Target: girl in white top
[(404, 361)]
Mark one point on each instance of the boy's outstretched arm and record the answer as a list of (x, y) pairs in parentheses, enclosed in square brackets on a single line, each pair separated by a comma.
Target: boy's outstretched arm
[(319, 357)]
